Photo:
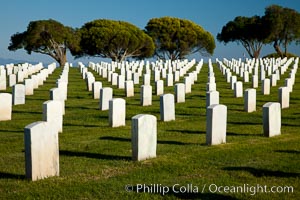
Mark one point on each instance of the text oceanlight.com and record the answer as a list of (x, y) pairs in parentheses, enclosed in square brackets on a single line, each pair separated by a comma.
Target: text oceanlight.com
[(207, 188)]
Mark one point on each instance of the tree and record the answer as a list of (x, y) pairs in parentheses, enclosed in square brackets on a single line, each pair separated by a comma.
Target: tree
[(47, 37), (117, 40), (283, 25), (176, 38), (249, 31)]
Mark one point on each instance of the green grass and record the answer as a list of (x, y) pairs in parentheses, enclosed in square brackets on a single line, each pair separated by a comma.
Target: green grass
[(95, 160)]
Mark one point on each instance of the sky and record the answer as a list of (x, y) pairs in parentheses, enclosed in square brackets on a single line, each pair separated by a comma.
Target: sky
[(212, 15)]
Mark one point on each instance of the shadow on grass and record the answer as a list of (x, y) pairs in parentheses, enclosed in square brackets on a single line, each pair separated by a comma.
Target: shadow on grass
[(84, 108), (187, 114), (5, 175), (188, 131), (173, 142), (195, 107), (115, 138), (36, 99), (245, 123), (288, 151), (237, 109), (263, 172), (92, 155), (77, 97), (82, 125), (293, 125), (242, 134), (129, 140), (26, 111), (12, 131)]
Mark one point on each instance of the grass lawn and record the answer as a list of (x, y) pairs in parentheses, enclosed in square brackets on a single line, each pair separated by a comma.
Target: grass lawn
[(95, 160)]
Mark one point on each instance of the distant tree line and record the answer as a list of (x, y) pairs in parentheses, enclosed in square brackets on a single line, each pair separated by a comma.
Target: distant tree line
[(279, 26), (165, 38)]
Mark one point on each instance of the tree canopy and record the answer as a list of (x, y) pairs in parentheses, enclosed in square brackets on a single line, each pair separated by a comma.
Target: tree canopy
[(249, 31), (47, 37), (176, 38), (283, 25), (279, 26), (117, 40)]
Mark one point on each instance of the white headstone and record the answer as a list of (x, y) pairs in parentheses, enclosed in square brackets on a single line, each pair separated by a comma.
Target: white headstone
[(58, 95), (129, 88), (2, 70), (40, 79), (117, 112), (238, 89), (211, 86), (228, 76), (246, 76), (163, 73), (274, 80), (136, 78), (12, 80), (284, 97), (167, 107), (128, 75), (156, 75), (143, 137), (114, 79), (212, 97), (272, 119), (5, 106), (233, 79), (255, 81), (28, 87), (41, 151), (84, 71), (159, 87), (176, 76), (106, 94), (146, 95), (20, 76), (52, 112), (169, 81), (2, 81), (121, 82), (216, 124), (179, 92), (96, 86), (104, 73), (18, 94), (35, 81), (265, 87), (289, 84), (63, 85), (262, 74), (146, 79), (89, 81), (250, 100), (188, 85), (211, 79)]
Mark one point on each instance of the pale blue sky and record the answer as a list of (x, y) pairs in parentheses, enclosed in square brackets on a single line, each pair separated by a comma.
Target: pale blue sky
[(212, 15)]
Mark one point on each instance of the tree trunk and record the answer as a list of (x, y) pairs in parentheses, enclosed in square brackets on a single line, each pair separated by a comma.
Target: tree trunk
[(285, 48), (256, 54), (114, 59), (62, 60), (172, 56), (277, 48)]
